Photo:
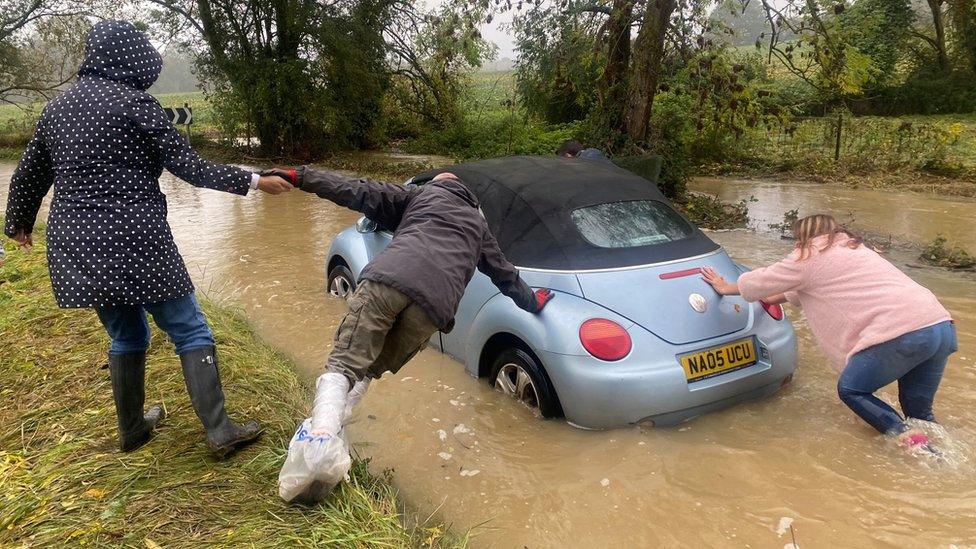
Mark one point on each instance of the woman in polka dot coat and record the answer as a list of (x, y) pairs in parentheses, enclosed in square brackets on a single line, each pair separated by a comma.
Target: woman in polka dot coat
[(102, 145)]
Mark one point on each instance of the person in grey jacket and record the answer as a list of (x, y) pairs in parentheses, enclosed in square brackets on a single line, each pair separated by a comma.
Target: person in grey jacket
[(103, 144), (412, 288)]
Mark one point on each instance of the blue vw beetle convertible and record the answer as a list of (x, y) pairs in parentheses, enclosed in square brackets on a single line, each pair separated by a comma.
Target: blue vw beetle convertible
[(634, 336)]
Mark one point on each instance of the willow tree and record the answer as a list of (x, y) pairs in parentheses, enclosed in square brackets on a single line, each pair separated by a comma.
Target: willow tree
[(41, 42), (304, 74), (629, 40)]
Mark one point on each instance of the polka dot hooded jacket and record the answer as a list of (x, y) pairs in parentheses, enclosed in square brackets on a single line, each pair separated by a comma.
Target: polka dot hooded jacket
[(103, 145)]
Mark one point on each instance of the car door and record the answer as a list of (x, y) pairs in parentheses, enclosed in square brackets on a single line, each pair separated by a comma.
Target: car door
[(477, 293)]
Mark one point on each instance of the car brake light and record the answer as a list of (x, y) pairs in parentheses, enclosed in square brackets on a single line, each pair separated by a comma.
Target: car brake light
[(605, 339), (775, 311)]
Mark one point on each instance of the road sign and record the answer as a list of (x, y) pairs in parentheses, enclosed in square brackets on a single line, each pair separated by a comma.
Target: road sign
[(180, 115)]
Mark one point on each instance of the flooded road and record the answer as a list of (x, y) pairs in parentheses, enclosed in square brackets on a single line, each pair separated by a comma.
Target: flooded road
[(909, 217), (735, 478)]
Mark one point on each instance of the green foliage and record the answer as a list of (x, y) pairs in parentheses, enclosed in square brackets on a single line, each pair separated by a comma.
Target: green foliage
[(785, 227), (431, 84), (867, 144), (940, 253), (317, 84), (880, 30), (559, 64), (709, 212), (39, 52)]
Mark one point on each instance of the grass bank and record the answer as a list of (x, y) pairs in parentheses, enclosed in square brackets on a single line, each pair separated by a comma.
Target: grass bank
[(62, 483)]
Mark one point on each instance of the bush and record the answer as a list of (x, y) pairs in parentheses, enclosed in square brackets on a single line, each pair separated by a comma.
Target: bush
[(939, 253), (709, 212)]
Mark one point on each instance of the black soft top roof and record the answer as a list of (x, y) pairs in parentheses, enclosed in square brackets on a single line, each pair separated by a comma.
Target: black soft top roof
[(528, 201)]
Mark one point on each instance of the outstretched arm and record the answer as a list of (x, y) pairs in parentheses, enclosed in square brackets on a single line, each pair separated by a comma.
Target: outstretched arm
[(724, 287), (181, 160), (30, 182), (384, 203), (506, 277)]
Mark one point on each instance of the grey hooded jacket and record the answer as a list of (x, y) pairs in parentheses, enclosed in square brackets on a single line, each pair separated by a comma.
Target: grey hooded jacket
[(102, 145), (440, 237)]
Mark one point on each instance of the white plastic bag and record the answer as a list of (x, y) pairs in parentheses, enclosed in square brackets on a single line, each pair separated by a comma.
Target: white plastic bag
[(314, 467), (329, 410), (355, 395), (318, 455)]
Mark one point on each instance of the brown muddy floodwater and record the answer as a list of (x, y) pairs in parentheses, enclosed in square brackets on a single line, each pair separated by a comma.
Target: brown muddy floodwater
[(737, 478)]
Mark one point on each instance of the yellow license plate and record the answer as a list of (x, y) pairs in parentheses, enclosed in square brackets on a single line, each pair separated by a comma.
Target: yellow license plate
[(719, 360)]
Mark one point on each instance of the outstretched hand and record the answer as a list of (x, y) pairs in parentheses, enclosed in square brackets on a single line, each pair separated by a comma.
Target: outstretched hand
[(273, 184), (718, 282), (542, 296), (288, 174)]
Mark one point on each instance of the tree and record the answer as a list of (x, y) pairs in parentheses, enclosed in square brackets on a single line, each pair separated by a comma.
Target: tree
[(938, 42), (807, 37), (964, 31), (431, 55), (287, 65), (41, 43), (649, 48), (558, 64)]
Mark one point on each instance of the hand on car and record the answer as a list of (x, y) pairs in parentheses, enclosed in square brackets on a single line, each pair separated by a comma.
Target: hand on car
[(542, 296), (274, 184), (24, 239), (718, 282)]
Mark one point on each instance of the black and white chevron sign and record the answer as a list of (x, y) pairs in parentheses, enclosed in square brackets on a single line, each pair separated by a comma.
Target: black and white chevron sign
[(180, 115)]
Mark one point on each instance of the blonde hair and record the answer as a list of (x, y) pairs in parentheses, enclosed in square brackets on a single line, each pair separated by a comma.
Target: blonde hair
[(807, 228)]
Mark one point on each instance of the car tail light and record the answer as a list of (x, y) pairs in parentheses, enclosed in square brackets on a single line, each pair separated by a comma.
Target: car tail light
[(775, 311), (605, 339)]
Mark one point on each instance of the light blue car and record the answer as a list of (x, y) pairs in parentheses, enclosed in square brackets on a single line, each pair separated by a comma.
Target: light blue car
[(634, 336)]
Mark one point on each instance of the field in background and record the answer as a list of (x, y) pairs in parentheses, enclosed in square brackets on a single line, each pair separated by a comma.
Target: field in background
[(495, 125)]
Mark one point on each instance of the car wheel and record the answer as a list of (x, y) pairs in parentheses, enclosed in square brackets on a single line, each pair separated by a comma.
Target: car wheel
[(517, 374), (341, 282)]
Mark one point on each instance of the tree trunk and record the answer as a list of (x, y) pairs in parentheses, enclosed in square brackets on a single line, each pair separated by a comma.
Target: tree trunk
[(964, 26), (649, 52), (940, 39), (614, 92)]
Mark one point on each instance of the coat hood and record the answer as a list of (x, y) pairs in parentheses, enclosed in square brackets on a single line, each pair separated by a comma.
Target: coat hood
[(117, 51)]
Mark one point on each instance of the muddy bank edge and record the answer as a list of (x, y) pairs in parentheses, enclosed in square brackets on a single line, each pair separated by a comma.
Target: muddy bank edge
[(62, 481)]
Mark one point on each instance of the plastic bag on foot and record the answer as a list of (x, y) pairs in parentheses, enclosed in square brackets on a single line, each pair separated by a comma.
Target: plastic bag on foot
[(314, 467), (355, 395), (318, 455)]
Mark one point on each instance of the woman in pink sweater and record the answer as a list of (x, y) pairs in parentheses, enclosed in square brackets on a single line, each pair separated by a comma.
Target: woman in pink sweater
[(875, 323)]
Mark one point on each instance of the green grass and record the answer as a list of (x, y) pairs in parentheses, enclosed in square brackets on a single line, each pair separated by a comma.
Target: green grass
[(62, 483)]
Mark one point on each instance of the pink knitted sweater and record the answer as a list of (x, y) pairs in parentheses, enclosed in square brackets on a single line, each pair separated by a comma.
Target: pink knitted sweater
[(852, 298)]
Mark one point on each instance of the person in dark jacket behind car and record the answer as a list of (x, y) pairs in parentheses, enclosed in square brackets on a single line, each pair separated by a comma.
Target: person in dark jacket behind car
[(574, 149), (102, 145), (411, 289)]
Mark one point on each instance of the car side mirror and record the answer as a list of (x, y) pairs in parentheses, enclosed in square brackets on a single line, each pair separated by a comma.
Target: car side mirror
[(365, 225)]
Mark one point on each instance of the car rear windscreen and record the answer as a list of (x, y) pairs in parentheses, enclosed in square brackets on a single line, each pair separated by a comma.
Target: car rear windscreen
[(630, 224)]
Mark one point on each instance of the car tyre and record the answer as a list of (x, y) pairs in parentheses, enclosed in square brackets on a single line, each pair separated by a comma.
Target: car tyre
[(341, 283), (518, 374)]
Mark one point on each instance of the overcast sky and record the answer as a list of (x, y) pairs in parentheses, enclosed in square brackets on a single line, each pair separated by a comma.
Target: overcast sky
[(493, 31)]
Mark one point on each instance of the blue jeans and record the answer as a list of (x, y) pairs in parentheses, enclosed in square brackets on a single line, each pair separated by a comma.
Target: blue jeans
[(180, 318), (916, 360)]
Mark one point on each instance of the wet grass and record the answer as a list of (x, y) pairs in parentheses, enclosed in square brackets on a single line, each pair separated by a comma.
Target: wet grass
[(62, 483)]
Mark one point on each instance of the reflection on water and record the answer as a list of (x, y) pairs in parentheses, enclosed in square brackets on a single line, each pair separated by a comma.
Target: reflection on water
[(727, 479)]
